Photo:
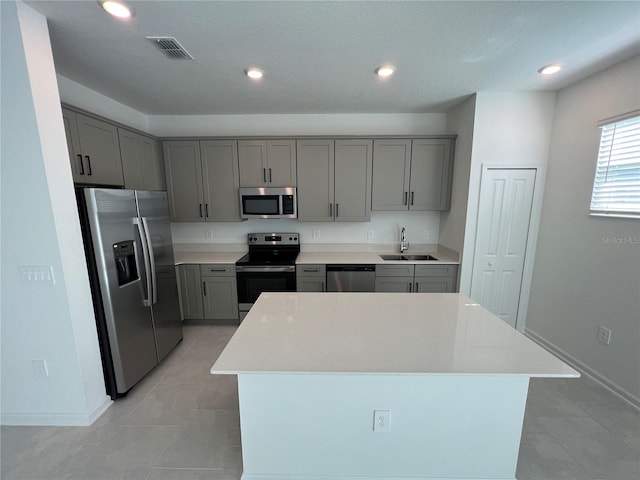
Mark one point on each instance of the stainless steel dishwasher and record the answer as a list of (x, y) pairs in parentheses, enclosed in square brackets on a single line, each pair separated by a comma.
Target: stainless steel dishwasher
[(351, 278)]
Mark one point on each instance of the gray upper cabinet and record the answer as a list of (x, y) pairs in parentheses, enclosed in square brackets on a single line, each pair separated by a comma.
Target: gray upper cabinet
[(184, 181), (315, 180), (334, 180), (202, 180), (412, 174), (142, 163), (353, 169), (94, 150), (430, 182), (267, 163), (220, 180)]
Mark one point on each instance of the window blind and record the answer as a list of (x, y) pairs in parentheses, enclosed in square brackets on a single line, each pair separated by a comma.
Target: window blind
[(616, 187)]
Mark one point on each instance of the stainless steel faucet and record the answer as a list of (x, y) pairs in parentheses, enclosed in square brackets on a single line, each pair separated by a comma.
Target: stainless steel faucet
[(404, 245)]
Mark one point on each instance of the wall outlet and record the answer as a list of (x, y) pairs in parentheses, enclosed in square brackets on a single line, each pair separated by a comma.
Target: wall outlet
[(371, 235), (40, 368), (604, 335), (381, 420), (37, 274), (426, 235), (315, 234), (208, 235)]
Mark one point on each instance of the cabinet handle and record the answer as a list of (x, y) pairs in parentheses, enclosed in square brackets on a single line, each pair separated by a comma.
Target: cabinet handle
[(331, 209), (200, 210), (88, 165), (337, 205), (410, 287), (206, 209), (405, 198), (322, 286), (264, 175), (217, 270), (81, 165), (310, 269), (269, 175), (204, 287), (412, 197), (416, 289)]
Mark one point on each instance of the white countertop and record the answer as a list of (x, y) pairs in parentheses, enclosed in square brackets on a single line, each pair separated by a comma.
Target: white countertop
[(381, 333), (366, 258), (207, 257)]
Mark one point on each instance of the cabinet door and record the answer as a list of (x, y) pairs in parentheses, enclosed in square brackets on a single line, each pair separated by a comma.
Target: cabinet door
[(190, 291), (150, 157), (184, 181), (73, 145), (220, 180), (281, 163), (394, 284), (430, 184), (220, 298), (100, 150), (353, 160), (132, 168), (434, 285), (252, 160), (391, 169), (310, 284), (315, 180)]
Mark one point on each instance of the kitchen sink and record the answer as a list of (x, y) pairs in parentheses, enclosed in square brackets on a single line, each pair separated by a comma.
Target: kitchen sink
[(409, 258)]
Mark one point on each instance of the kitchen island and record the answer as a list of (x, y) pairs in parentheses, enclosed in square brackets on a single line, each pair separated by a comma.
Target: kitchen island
[(363, 386)]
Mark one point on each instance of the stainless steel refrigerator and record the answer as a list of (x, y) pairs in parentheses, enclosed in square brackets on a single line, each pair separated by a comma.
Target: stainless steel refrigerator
[(129, 253)]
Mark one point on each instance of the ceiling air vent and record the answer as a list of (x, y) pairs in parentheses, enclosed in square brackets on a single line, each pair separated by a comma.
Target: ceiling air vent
[(171, 47)]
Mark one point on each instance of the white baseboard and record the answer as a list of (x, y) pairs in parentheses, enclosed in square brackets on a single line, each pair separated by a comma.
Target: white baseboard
[(56, 419), (617, 390)]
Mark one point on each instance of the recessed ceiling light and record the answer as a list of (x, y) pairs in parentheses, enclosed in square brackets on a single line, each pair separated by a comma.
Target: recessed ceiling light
[(550, 69), (385, 70), (117, 8), (254, 73)]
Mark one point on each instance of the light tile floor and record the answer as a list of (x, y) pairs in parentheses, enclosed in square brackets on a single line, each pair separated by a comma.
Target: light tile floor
[(181, 423)]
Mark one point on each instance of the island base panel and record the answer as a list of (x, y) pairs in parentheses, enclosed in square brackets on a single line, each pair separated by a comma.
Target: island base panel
[(310, 426)]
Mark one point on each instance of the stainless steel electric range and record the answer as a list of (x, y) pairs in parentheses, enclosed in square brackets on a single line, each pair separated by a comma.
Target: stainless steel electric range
[(270, 266)]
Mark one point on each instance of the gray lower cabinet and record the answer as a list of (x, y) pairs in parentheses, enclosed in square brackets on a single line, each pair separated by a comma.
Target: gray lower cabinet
[(267, 163), (420, 278), (334, 180), (412, 174), (311, 278), (190, 292), (208, 292), (94, 150), (202, 180), (142, 163)]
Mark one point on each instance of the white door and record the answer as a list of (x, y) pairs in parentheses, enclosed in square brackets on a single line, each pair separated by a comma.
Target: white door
[(506, 197)]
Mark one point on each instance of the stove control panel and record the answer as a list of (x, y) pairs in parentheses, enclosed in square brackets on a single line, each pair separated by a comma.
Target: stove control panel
[(274, 239)]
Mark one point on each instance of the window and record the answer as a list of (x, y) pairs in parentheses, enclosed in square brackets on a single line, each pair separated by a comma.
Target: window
[(616, 188)]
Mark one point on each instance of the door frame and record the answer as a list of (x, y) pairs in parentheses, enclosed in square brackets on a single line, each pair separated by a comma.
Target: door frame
[(532, 236)]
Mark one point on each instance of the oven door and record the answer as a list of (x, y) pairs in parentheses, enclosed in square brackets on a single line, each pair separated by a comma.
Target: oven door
[(252, 281)]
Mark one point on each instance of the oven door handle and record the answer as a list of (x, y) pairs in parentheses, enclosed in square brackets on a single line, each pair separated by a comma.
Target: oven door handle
[(286, 268)]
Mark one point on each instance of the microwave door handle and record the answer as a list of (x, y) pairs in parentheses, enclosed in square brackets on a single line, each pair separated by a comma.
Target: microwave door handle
[(146, 281), (152, 262)]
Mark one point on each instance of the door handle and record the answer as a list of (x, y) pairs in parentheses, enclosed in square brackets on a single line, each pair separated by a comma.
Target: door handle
[(146, 301), (81, 165), (89, 172), (152, 262)]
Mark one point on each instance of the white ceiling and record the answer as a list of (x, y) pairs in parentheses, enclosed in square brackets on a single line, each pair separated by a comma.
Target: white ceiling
[(319, 56)]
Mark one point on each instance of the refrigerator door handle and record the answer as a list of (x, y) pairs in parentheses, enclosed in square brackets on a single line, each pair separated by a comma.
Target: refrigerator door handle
[(145, 256), (152, 262)]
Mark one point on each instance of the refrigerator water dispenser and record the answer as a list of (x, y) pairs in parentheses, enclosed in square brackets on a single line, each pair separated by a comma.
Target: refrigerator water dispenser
[(125, 259)]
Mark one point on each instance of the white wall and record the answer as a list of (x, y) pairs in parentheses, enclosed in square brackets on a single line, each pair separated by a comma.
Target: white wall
[(422, 228), (460, 121), (51, 322), (587, 270), (510, 129)]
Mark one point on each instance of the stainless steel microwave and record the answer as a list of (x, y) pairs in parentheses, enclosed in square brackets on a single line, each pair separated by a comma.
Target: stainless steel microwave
[(265, 202)]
